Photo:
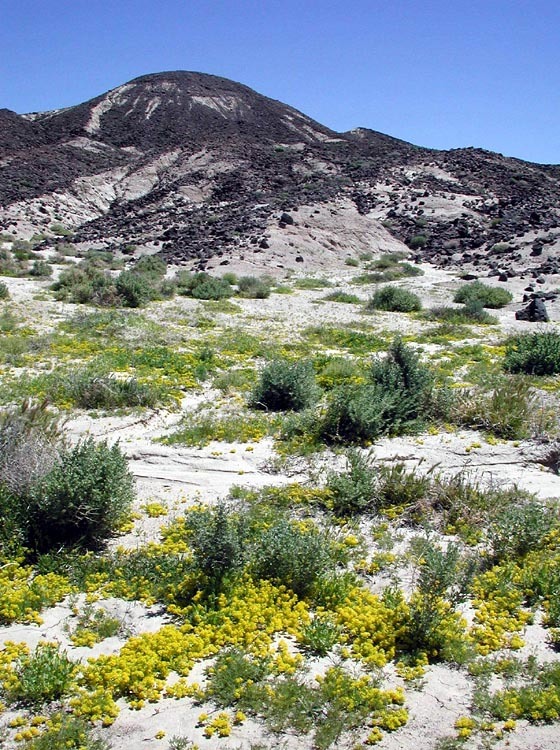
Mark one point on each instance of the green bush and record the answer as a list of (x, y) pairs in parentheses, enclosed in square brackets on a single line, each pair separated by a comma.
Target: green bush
[(394, 299), (4, 293), (292, 556), (217, 539), (533, 353), (285, 385), (398, 399), (489, 296), (339, 296), (134, 289), (150, 266), (253, 288), (42, 676), (356, 489), (40, 268), (471, 312), (70, 733), (90, 390), (82, 501), (520, 529), (418, 241)]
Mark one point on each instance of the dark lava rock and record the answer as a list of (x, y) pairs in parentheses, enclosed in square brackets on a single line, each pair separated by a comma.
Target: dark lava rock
[(535, 312), (286, 219)]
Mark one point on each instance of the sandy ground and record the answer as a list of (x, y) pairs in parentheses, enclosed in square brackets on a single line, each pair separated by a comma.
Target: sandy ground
[(174, 475)]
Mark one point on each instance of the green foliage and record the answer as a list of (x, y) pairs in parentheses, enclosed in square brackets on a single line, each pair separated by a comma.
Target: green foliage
[(508, 410), (231, 677), (88, 389), (394, 299), (489, 296), (471, 312), (349, 261), (42, 676), (339, 296), (40, 268), (292, 556), (67, 732), (82, 501), (311, 283), (285, 385), (134, 289), (418, 241), (4, 292), (253, 288), (202, 286), (356, 489), (517, 530), (320, 635), (533, 353), (217, 539)]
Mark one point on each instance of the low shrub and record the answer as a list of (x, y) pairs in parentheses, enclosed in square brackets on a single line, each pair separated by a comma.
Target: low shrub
[(285, 386), (339, 296), (90, 390), (42, 676), (489, 296), (471, 312), (356, 489), (67, 732), (311, 283), (533, 353), (292, 556), (202, 286), (418, 241), (253, 288), (397, 399), (82, 501), (519, 529), (134, 289), (4, 291), (41, 268), (394, 299)]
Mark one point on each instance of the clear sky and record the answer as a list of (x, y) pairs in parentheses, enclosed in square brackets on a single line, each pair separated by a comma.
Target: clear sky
[(437, 73)]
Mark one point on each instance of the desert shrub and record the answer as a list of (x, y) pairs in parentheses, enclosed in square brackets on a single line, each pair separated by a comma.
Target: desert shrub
[(30, 443), (311, 283), (292, 556), (80, 283), (134, 289), (40, 268), (4, 292), (518, 529), (253, 288), (490, 296), (418, 241), (151, 266), (398, 399), (91, 390), (533, 353), (67, 732), (320, 635), (354, 490), (285, 385), (211, 288), (508, 410), (339, 296), (217, 539), (394, 299), (399, 486), (471, 312), (42, 676), (81, 501)]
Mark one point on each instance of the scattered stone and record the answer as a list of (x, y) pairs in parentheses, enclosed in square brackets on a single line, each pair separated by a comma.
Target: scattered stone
[(535, 312)]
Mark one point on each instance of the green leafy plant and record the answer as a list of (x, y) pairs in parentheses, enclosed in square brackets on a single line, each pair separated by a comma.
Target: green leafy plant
[(533, 353), (356, 489), (489, 296), (4, 292), (285, 385), (68, 732), (394, 299), (82, 501), (42, 676), (253, 288)]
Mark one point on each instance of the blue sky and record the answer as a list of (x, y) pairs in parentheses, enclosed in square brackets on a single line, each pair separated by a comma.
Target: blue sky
[(441, 74)]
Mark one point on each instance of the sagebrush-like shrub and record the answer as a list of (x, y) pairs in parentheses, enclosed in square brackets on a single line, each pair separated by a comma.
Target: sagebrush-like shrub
[(4, 292), (292, 556), (253, 288), (489, 296), (134, 289), (356, 489), (394, 299), (90, 390), (471, 312), (285, 386), (81, 501), (356, 414), (533, 353), (42, 676)]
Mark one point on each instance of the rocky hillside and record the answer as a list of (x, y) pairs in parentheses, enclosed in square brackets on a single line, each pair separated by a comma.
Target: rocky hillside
[(196, 166)]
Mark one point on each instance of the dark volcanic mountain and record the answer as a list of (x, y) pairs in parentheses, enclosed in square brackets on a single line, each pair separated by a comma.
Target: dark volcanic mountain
[(198, 166)]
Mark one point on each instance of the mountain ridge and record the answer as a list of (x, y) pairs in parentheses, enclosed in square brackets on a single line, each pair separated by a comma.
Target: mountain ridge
[(194, 165)]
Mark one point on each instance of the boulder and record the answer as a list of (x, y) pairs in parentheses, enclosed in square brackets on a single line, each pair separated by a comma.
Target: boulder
[(535, 312)]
